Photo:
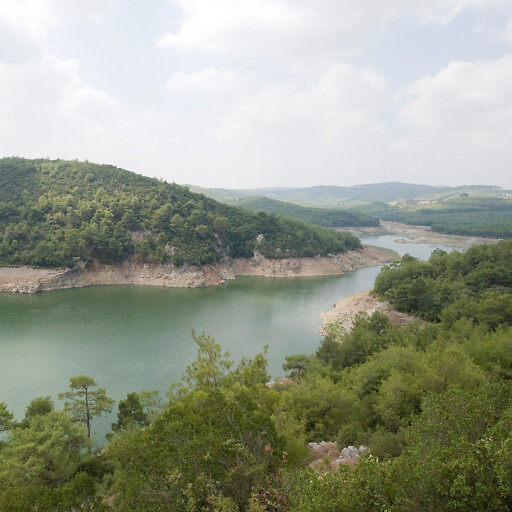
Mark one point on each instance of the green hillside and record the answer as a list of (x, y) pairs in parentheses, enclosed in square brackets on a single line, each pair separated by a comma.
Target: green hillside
[(463, 215), (328, 217), (57, 213)]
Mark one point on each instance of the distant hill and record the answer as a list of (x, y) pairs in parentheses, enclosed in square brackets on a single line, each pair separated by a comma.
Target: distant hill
[(344, 197), (58, 213), (461, 215), (328, 217)]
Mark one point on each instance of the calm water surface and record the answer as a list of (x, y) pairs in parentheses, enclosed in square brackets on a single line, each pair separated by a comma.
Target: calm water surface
[(131, 338)]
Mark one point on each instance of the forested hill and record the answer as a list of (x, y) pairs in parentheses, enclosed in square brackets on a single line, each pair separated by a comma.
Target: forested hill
[(463, 215), (476, 284), (328, 217), (56, 213)]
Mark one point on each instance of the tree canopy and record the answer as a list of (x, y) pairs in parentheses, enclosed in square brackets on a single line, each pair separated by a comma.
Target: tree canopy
[(61, 213), (86, 400)]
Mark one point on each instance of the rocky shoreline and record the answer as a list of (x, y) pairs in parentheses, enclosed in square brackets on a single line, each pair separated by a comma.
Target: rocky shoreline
[(32, 280), (344, 311)]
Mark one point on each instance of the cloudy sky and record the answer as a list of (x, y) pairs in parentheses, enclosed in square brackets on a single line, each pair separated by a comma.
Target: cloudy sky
[(252, 93)]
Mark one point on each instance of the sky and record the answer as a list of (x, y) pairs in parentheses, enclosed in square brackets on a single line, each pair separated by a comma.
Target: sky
[(263, 93)]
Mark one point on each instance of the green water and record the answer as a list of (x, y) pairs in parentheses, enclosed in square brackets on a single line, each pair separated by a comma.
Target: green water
[(131, 338)]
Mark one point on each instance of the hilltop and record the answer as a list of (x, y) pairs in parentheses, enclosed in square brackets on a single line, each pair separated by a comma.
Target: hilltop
[(56, 213)]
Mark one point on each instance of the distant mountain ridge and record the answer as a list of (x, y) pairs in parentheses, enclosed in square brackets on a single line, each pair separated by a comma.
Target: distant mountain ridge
[(332, 196)]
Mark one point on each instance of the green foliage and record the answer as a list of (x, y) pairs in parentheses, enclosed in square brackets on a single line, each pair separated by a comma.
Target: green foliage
[(476, 284), (78, 494), (328, 217), (368, 335), (210, 367), (83, 401), (5, 418), (131, 413), (61, 213), (464, 215), (297, 365), (203, 448), (446, 464), (46, 453), (39, 406)]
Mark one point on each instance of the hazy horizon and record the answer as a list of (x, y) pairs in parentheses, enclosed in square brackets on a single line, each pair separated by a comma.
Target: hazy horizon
[(345, 186)]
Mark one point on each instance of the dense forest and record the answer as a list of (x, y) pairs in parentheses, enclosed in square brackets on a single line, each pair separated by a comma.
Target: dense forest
[(476, 284), (464, 215), (59, 213), (328, 217), (431, 401)]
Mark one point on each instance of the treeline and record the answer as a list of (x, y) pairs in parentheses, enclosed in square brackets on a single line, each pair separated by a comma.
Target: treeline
[(58, 213), (476, 284), (327, 217), (466, 215), (431, 401)]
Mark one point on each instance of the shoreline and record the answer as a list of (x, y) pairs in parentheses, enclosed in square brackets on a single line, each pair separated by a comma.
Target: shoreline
[(418, 234), (32, 280), (345, 310)]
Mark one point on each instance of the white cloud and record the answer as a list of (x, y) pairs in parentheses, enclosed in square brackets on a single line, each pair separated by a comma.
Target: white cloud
[(207, 80), (507, 33), (22, 34), (323, 106), (323, 129), (460, 121), (296, 27), (52, 84), (468, 103), (95, 11), (24, 24), (45, 104), (44, 14)]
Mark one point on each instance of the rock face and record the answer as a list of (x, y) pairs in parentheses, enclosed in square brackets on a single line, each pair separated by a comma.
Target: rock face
[(329, 451), (350, 455), (31, 280)]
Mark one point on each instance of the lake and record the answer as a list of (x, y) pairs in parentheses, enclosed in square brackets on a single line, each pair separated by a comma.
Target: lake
[(130, 338)]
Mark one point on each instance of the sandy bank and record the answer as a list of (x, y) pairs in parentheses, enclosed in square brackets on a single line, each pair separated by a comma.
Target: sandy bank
[(31, 280), (419, 234), (346, 310)]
